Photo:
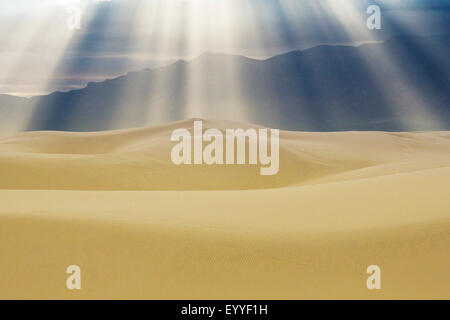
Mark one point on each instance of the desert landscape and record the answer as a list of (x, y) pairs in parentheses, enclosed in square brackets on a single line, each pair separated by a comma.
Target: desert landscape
[(140, 227), (224, 150)]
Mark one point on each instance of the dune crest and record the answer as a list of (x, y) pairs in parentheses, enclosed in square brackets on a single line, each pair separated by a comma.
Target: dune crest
[(139, 159)]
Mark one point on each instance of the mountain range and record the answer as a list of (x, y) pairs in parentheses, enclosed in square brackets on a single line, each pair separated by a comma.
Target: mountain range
[(401, 84)]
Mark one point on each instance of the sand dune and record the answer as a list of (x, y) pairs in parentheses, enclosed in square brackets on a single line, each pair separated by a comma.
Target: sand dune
[(139, 159), (141, 227)]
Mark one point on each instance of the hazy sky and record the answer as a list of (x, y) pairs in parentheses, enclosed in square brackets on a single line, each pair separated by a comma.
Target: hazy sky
[(39, 53)]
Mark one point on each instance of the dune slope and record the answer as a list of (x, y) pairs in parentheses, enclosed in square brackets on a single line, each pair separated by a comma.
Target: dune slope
[(141, 227)]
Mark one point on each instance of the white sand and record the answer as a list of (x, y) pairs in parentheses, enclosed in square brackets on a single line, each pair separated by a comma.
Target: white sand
[(140, 227)]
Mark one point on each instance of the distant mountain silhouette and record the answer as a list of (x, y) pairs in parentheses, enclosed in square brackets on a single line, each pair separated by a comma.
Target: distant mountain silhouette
[(401, 84)]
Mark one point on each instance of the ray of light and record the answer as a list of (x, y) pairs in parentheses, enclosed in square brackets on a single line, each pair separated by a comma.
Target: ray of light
[(183, 29)]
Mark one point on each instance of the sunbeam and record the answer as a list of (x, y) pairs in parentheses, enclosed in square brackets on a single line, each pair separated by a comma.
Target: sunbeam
[(181, 59)]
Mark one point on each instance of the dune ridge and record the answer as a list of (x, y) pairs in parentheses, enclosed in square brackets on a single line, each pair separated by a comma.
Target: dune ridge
[(139, 159), (142, 228)]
